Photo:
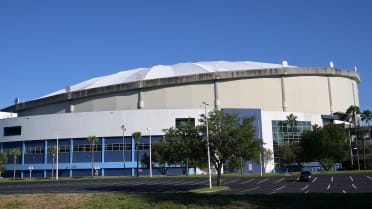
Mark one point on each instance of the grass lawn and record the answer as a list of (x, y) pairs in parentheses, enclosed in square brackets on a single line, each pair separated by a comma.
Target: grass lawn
[(186, 200)]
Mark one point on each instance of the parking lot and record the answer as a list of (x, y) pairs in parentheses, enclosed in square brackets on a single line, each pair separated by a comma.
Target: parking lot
[(340, 183)]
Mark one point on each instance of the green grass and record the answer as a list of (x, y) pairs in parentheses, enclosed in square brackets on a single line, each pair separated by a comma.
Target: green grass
[(188, 200), (279, 201), (207, 189)]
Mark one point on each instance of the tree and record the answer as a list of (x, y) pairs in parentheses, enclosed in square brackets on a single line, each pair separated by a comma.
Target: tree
[(3, 159), (92, 141), (228, 141), (160, 153), (186, 147), (366, 116), (15, 153), (291, 122), (288, 154), (326, 145), (53, 150), (351, 113), (137, 137)]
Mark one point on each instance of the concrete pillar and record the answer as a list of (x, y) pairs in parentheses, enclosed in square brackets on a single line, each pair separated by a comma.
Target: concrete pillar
[(330, 95), (140, 103), (217, 104), (284, 104)]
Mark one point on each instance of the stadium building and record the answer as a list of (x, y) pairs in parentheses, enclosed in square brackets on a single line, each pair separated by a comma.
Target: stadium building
[(152, 99)]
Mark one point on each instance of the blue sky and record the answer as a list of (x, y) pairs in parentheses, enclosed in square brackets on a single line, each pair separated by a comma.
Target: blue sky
[(47, 45)]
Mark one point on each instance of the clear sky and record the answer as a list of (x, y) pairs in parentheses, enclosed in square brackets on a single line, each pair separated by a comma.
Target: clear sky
[(47, 45)]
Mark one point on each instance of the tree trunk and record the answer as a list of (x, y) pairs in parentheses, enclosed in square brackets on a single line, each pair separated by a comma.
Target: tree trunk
[(364, 154), (187, 167), (14, 167), (137, 163), (92, 159), (219, 171)]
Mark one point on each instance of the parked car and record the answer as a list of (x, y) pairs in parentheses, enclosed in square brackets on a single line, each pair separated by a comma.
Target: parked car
[(305, 176)]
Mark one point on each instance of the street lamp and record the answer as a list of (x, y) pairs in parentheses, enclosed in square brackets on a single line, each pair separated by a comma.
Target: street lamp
[(57, 160), (124, 129), (357, 153), (149, 129), (207, 138)]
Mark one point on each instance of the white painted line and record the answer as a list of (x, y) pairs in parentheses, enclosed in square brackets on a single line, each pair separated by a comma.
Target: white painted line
[(332, 179), (305, 187), (280, 180), (355, 187), (370, 178), (248, 181), (314, 179), (262, 181), (329, 186), (351, 178), (280, 188), (247, 190), (343, 191), (306, 192)]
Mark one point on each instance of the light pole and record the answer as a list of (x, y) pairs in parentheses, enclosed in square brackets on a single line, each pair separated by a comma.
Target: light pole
[(123, 129), (57, 161), (207, 138), (356, 148), (149, 129)]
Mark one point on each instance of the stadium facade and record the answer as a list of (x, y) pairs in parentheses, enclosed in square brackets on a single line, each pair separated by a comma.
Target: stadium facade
[(152, 99)]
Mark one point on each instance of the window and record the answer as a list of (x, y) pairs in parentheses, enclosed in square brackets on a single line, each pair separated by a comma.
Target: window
[(184, 122), (13, 131), (34, 150), (117, 147), (86, 148)]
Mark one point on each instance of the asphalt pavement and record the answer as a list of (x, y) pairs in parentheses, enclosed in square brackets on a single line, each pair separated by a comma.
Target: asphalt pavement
[(338, 183)]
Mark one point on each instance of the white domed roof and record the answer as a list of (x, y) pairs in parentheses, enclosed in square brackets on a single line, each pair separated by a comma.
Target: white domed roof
[(164, 71)]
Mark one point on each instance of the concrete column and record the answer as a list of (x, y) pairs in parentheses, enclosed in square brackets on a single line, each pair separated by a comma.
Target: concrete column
[(353, 88), (216, 96), (330, 95), (140, 103), (284, 104)]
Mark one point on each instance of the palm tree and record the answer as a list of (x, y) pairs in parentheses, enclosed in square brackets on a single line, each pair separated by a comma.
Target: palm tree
[(352, 113), (53, 150), (366, 116), (92, 141), (292, 122), (137, 137), (15, 153)]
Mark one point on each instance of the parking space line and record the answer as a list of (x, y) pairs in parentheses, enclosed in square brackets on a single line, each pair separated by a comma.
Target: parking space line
[(280, 188), (248, 181), (251, 189), (343, 191), (262, 181), (305, 187), (351, 178), (370, 178), (355, 187), (314, 179), (329, 186), (331, 178), (280, 180)]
